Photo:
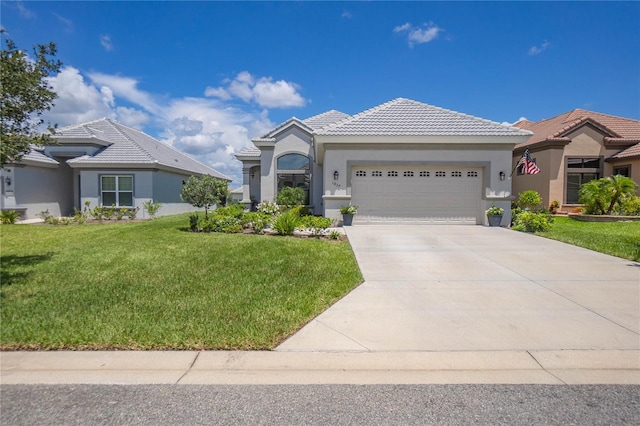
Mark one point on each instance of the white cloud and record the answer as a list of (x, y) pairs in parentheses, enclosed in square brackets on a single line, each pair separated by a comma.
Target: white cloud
[(207, 129), (536, 50), (263, 91), (24, 12), (105, 41), (419, 35), (68, 23), (346, 14), (78, 101), (127, 88)]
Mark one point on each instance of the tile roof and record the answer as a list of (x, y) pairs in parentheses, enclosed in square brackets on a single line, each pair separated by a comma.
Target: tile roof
[(406, 117), (36, 155), (631, 152), (251, 151), (556, 128), (129, 147), (325, 119)]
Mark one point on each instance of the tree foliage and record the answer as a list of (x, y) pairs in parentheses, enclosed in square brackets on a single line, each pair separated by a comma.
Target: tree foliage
[(601, 196), (24, 95), (204, 192)]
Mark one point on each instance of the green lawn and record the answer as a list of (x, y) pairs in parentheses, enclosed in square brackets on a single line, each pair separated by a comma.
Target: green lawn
[(153, 285), (621, 239)]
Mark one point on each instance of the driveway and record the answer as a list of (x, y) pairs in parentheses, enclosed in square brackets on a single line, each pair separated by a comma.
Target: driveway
[(475, 288)]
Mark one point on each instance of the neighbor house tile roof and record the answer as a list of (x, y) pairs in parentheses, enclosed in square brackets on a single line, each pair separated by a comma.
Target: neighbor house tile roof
[(129, 147), (617, 129), (406, 117)]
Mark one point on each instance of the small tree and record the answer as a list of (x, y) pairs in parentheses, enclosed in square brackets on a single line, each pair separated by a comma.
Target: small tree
[(600, 196), (204, 192), (24, 95)]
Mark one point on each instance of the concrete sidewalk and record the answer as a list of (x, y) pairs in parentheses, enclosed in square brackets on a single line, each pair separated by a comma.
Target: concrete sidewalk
[(440, 304)]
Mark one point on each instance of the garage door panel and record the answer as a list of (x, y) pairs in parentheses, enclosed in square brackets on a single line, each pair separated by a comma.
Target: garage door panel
[(419, 194)]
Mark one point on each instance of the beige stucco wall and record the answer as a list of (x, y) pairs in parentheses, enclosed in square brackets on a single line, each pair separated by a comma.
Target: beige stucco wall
[(550, 182)]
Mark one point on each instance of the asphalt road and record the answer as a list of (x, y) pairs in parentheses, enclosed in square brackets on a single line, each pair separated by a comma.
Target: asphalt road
[(319, 405)]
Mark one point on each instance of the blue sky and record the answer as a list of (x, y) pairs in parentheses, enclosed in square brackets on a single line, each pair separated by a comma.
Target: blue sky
[(206, 77)]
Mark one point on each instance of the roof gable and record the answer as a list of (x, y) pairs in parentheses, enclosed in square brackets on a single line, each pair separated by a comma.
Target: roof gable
[(406, 117)]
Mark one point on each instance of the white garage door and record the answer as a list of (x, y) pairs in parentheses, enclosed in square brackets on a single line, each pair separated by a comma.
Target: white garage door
[(430, 194)]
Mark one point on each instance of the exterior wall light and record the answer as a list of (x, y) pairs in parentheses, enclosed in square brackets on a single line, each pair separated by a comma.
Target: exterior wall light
[(502, 175), (336, 175), (8, 181)]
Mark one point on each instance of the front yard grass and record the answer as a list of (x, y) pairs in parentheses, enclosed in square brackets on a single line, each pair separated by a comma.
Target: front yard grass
[(154, 285), (621, 239)]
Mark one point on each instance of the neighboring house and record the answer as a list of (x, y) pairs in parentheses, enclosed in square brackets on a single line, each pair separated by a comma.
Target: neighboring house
[(400, 161), (102, 162), (236, 195), (573, 148)]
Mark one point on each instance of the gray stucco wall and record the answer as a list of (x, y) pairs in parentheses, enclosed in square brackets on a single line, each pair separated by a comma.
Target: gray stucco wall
[(40, 188), (156, 185)]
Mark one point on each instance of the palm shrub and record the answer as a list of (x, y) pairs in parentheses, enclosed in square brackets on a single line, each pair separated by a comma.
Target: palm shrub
[(602, 196), (9, 217), (287, 222), (152, 207)]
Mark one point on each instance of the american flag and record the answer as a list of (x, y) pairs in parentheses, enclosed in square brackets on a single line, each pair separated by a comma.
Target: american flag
[(529, 167)]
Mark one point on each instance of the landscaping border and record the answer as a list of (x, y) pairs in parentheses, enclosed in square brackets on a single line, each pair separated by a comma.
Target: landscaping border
[(603, 218)]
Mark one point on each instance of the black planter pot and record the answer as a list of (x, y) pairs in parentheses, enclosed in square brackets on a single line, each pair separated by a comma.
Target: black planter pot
[(347, 219), (494, 220)]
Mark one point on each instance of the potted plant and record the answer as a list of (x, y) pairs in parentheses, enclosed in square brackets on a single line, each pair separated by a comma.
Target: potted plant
[(494, 214), (347, 214)]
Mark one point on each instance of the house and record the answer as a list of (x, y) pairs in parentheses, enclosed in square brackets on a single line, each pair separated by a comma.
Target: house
[(101, 162), (400, 161), (573, 148)]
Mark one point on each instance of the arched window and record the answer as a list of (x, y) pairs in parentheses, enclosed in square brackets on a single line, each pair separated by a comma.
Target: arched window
[(293, 170)]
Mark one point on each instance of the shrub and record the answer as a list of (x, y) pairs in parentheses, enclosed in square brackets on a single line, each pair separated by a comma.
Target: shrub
[(630, 206), (256, 221), (285, 223), (269, 207), (532, 222), (221, 223), (194, 222), (316, 224), (529, 199), (152, 207), (233, 210), (334, 235), (290, 197), (9, 217)]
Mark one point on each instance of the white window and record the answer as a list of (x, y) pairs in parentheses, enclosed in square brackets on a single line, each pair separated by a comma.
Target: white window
[(116, 190), (293, 170)]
